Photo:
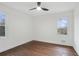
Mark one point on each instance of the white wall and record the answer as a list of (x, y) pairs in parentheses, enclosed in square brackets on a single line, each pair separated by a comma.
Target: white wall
[(46, 28), (18, 28), (76, 29), (21, 28)]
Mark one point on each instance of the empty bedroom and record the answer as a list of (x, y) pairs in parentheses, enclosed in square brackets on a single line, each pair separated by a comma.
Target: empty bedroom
[(39, 28)]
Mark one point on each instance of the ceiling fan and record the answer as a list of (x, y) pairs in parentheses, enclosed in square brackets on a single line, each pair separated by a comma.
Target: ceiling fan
[(39, 7)]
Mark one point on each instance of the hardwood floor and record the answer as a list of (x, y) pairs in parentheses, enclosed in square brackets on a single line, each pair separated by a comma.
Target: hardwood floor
[(37, 48)]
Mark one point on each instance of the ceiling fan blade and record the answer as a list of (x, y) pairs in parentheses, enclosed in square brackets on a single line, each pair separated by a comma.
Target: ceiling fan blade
[(38, 3), (45, 9), (32, 9)]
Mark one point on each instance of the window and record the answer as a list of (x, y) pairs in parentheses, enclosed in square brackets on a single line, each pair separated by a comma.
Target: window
[(62, 25), (2, 24)]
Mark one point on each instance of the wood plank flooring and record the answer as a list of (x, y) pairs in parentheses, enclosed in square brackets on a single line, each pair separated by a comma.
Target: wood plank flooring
[(37, 48)]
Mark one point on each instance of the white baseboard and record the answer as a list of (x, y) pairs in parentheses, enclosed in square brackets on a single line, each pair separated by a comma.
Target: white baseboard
[(53, 42)]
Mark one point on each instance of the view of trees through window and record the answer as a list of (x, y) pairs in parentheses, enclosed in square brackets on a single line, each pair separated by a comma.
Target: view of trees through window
[(2, 24), (62, 25)]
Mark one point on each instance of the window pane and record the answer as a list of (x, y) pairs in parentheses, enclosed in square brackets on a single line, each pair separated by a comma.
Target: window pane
[(62, 24), (2, 24)]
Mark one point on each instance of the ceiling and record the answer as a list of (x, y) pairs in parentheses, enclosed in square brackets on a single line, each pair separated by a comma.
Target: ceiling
[(54, 7)]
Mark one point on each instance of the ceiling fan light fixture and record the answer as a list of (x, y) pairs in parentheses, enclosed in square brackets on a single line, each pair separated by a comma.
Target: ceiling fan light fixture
[(39, 8)]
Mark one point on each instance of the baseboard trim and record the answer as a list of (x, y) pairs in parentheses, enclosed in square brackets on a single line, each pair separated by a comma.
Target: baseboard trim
[(52, 43), (14, 46), (75, 50)]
